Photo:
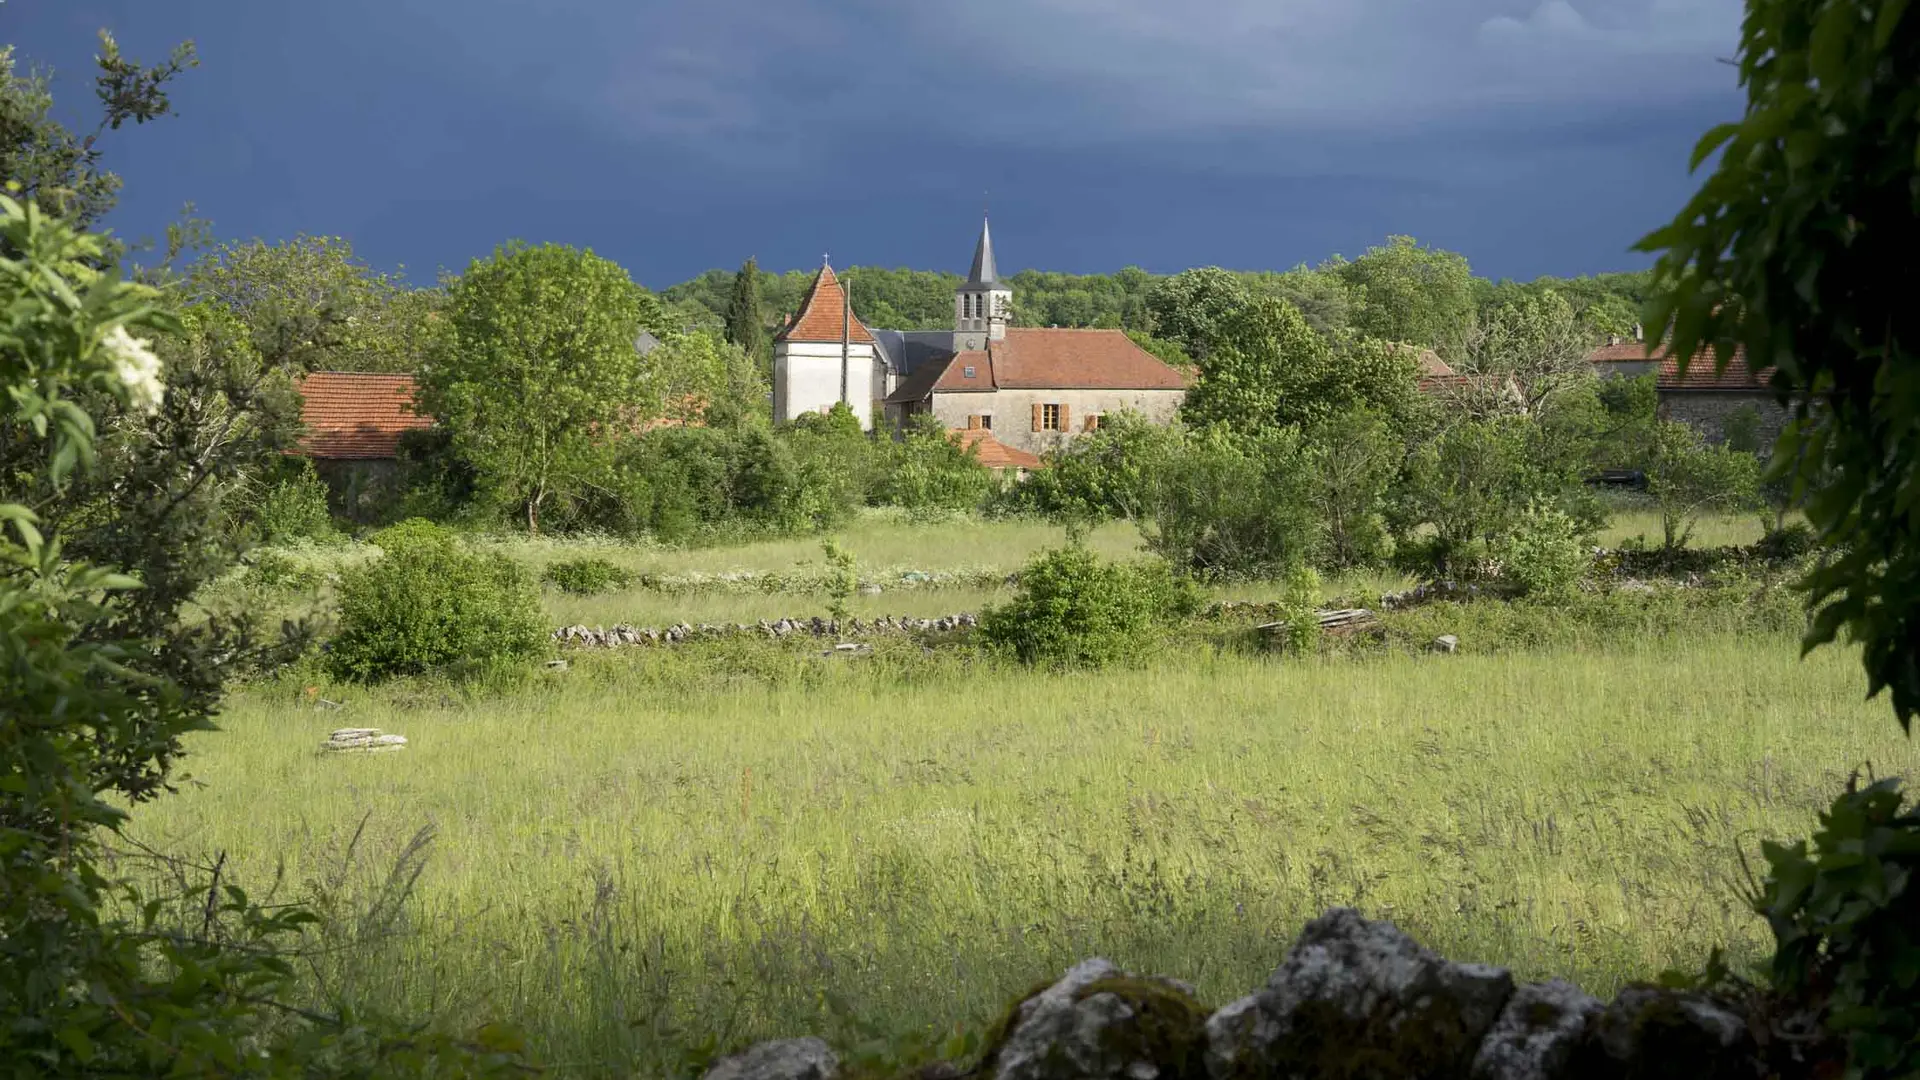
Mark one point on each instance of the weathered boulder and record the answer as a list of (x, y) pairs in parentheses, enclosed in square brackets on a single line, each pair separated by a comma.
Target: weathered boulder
[(1099, 1021), (781, 1059), (362, 740), (1358, 1000), (1445, 643), (1538, 1033), (1653, 1032)]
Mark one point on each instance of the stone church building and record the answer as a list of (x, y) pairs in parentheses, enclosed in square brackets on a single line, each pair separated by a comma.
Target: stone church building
[(1030, 387)]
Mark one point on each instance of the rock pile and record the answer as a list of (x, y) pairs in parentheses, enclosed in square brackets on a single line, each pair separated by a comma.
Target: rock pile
[(362, 740), (623, 635), (1353, 998)]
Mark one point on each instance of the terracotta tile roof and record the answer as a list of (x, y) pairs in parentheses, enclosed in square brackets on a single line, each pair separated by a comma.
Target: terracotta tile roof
[(353, 414), (918, 385), (993, 453), (954, 377), (1699, 375), (821, 314), (1033, 358)]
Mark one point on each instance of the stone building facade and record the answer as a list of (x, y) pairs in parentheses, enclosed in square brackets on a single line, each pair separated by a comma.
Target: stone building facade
[(1711, 402), (1032, 387)]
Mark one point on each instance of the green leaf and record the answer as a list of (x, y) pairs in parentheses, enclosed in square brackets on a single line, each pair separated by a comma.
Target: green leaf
[(1886, 22), (1714, 139)]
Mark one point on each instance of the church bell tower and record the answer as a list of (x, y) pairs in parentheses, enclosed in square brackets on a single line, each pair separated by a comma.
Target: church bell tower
[(983, 303)]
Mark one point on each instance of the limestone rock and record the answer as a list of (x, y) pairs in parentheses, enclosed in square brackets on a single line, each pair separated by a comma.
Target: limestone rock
[(1537, 1034), (1445, 643), (869, 589), (781, 1059), (1356, 998), (1651, 1031), (1100, 1022), (362, 740)]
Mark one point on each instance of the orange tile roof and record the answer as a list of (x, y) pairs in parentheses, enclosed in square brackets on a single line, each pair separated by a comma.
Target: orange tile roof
[(1699, 375), (821, 314), (955, 377), (356, 414), (993, 453), (1033, 358)]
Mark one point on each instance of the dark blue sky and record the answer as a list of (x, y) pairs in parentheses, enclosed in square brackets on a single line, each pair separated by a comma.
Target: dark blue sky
[(1534, 137)]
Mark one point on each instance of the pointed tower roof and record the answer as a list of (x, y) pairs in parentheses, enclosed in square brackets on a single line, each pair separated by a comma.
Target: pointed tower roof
[(821, 314), (984, 274)]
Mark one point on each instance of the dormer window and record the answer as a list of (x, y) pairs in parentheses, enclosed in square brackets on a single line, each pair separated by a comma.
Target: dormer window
[(969, 371)]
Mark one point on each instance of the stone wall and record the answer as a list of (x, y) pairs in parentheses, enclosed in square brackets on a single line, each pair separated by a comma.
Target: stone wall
[(1012, 411), (358, 488), (1357, 1000), (1708, 410)]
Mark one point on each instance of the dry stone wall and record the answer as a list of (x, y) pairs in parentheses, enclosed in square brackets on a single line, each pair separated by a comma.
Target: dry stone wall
[(1354, 999)]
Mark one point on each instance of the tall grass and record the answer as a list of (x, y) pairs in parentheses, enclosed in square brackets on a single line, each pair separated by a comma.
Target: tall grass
[(640, 874)]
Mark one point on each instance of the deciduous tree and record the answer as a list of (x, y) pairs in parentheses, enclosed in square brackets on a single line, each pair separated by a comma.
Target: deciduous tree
[(1418, 295), (541, 370)]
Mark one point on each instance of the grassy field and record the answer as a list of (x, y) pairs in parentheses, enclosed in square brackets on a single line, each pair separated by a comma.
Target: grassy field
[(694, 583), (635, 871)]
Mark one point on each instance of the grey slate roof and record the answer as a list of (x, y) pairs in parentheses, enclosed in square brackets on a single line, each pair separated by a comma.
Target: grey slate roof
[(984, 273)]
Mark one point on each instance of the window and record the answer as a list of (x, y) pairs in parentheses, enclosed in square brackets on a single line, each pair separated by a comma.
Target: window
[(1093, 422), (986, 421), (969, 371), (1049, 418)]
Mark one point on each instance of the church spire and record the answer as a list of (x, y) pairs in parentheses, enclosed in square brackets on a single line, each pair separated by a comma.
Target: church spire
[(984, 272)]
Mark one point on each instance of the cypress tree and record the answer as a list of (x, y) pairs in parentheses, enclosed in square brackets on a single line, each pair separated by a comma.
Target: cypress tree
[(745, 327)]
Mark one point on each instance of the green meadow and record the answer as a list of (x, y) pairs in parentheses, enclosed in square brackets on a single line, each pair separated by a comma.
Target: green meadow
[(655, 854)]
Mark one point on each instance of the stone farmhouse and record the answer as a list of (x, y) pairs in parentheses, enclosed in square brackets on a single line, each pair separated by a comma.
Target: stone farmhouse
[(1027, 388), (1700, 397)]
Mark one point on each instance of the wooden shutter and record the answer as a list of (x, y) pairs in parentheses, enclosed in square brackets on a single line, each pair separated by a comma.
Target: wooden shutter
[(1036, 415), (973, 422), (1066, 418)]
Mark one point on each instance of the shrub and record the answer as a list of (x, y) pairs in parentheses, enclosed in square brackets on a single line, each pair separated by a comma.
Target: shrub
[(1299, 602), (294, 506), (272, 571), (1075, 610), (429, 603), (1106, 473), (1843, 918), (1229, 506), (1544, 554), (587, 576), (928, 470), (1356, 458), (1788, 542), (1687, 478), (842, 579)]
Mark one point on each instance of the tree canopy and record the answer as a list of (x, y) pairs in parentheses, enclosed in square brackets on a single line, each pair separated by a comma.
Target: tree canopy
[(1793, 251), (541, 362)]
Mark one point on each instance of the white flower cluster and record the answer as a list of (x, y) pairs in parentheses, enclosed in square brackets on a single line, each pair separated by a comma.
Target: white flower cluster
[(136, 367)]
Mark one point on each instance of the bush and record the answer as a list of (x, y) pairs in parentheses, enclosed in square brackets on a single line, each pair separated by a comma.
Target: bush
[(294, 506), (587, 576), (1843, 919), (429, 603), (1106, 473), (1788, 542), (928, 470), (1075, 610), (1356, 458), (274, 572), (1235, 506), (1299, 602), (1544, 554), (1688, 478)]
